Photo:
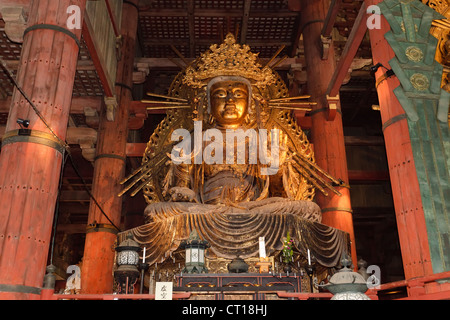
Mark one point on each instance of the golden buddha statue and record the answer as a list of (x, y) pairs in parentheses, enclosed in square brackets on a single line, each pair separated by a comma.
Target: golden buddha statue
[(244, 169)]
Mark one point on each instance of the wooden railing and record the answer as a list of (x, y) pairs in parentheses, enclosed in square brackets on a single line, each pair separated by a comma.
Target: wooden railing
[(416, 288), (48, 294)]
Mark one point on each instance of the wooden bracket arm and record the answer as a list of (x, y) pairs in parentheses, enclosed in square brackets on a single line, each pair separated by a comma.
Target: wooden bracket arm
[(15, 23), (333, 106)]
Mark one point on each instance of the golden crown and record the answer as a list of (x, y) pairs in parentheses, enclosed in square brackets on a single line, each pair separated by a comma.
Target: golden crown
[(228, 59)]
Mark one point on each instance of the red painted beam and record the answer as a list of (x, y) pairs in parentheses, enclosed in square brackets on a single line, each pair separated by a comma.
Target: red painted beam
[(443, 295), (112, 18), (417, 283), (348, 54)]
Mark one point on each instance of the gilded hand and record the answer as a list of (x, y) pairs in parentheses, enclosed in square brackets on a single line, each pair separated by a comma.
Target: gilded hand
[(182, 194)]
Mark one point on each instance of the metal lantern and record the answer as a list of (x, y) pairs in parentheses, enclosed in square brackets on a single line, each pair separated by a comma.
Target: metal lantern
[(347, 284), (127, 272), (195, 253)]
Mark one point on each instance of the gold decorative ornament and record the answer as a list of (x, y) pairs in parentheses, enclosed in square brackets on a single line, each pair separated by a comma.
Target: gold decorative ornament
[(420, 82), (229, 59), (414, 54)]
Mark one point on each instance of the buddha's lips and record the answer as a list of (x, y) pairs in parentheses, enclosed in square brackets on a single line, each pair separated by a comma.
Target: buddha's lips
[(230, 108)]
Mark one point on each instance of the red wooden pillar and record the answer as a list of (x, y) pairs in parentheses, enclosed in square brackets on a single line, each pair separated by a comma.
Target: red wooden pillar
[(98, 260), (404, 182), (30, 166), (327, 136)]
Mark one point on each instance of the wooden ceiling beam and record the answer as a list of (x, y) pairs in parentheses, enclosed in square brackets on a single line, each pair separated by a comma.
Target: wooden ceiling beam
[(74, 208), (232, 13), (348, 54), (165, 63), (209, 41), (73, 228), (364, 141), (331, 17), (191, 28), (245, 17), (367, 176), (74, 196)]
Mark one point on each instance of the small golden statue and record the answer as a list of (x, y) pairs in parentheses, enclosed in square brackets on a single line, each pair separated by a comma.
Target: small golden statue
[(244, 169)]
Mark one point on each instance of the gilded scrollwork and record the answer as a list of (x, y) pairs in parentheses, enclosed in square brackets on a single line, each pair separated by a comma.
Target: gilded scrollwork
[(441, 30), (420, 81), (414, 53)]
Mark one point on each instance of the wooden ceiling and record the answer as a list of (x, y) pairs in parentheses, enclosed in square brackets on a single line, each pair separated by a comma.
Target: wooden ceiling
[(174, 28)]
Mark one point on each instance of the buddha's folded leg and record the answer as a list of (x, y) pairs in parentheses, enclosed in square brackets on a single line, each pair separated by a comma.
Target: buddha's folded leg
[(163, 210), (305, 209)]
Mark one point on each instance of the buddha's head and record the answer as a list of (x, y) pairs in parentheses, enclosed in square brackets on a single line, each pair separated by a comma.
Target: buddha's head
[(229, 98)]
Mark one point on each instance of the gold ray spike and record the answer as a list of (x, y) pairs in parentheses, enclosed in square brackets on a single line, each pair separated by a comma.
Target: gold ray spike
[(166, 97), (315, 179), (274, 56), (132, 184), (279, 61), (141, 186), (281, 103), (135, 172), (290, 107), (168, 107), (290, 98), (164, 102), (139, 178), (316, 167), (153, 162), (312, 180), (441, 23)]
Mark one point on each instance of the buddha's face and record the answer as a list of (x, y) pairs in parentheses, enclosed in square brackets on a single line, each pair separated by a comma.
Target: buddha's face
[(229, 101)]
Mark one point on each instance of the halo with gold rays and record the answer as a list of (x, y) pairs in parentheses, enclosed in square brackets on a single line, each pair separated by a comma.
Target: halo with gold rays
[(229, 58)]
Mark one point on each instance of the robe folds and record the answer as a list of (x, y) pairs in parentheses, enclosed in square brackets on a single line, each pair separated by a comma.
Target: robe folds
[(235, 231)]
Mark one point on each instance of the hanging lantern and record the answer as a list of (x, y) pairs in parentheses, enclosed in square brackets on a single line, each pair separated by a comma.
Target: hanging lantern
[(127, 272), (195, 253)]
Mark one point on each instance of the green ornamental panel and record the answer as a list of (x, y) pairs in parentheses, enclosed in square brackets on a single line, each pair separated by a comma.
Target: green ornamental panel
[(426, 106)]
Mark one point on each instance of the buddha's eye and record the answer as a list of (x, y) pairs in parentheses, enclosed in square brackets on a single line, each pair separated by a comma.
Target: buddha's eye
[(220, 93), (238, 93)]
